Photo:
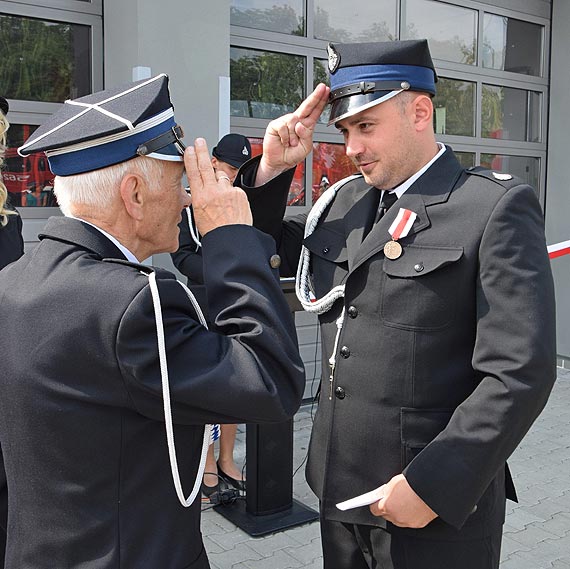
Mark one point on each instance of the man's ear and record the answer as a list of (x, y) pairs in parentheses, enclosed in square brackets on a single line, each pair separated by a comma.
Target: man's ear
[(423, 108), (132, 194)]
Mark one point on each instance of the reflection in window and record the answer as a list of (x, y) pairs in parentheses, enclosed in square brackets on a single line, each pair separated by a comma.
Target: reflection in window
[(284, 16), (320, 75), (466, 159), (359, 20), (451, 30), (264, 84), (510, 114), (330, 164), (512, 45), (44, 61), (28, 180), (454, 107), (525, 167), (297, 189)]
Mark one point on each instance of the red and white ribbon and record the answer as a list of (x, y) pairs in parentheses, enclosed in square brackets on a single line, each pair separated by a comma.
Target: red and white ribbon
[(559, 249), (402, 224)]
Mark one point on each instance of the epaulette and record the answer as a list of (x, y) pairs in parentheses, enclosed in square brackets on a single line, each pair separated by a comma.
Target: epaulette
[(146, 269), (505, 180)]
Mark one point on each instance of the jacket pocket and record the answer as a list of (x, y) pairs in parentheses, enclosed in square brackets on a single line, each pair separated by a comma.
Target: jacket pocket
[(420, 287), (329, 258), (418, 427)]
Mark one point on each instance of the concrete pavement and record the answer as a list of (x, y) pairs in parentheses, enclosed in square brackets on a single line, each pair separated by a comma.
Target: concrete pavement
[(537, 529)]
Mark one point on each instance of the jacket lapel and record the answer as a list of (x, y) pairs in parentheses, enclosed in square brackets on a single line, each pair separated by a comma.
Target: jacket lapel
[(430, 189), (75, 232)]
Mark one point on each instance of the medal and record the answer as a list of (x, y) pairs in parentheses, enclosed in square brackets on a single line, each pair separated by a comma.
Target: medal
[(399, 228), (392, 250)]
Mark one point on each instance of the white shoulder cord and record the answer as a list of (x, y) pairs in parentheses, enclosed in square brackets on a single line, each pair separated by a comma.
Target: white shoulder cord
[(303, 285), (193, 229), (210, 431)]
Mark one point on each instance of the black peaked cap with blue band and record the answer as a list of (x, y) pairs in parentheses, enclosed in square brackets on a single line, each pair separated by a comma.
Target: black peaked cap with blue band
[(363, 75), (110, 127)]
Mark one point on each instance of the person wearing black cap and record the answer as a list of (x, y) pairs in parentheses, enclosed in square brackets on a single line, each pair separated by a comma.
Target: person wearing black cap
[(11, 241), (434, 293), (102, 416), (232, 151)]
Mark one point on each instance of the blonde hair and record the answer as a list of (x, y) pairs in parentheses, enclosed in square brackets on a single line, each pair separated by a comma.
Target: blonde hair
[(4, 213), (99, 188)]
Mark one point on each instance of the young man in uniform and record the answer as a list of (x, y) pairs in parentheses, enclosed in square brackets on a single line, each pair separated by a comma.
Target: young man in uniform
[(434, 294)]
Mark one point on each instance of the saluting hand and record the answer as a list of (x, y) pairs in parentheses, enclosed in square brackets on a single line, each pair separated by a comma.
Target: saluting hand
[(215, 201), (402, 506), (289, 139)]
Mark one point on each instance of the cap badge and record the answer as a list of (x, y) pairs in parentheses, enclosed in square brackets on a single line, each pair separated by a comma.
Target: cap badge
[(334, 58), (499, 176), (245, 152)]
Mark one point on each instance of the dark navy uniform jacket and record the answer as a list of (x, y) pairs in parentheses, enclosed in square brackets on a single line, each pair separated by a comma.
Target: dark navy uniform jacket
[(81, 409), (447, 353)]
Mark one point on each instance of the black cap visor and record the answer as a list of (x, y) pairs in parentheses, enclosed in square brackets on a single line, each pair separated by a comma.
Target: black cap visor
[(348, 106)]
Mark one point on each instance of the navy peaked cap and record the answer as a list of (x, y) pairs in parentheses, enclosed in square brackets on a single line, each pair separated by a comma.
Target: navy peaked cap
[(233, 149), (110, 127), (365, 74)]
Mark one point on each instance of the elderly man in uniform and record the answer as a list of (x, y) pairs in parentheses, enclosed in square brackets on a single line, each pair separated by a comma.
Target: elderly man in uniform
[(107, 368), (434, 294)]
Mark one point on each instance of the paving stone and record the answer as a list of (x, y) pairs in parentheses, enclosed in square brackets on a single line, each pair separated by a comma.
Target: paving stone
[(307, 553), (280, 560), (266, 546)]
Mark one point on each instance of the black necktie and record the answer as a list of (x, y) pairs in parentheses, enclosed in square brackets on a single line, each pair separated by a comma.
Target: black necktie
[(387, 201)]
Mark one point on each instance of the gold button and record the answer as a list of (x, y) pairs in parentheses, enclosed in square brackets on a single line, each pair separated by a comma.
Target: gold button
[(275, 261)]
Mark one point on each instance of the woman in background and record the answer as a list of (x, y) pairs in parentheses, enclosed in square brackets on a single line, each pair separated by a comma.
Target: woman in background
[(11, 241)]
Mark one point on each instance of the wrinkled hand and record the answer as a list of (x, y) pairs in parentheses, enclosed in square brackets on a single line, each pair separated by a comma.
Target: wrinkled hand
[(289, 139), (215, 201), (402, 506)]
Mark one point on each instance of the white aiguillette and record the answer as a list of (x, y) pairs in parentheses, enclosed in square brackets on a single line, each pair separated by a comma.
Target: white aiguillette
[(362, 500)]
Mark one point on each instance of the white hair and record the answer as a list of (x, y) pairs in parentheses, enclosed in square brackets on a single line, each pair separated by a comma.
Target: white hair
[(99, 188)]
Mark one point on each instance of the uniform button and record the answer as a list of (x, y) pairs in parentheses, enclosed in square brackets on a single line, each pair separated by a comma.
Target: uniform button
[(419, 267), (352, 311), (345, 352), (339, 392), (325, 250), (275, 261)]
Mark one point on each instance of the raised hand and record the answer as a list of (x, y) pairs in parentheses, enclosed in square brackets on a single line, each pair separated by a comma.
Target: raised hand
[(215, 201), (289, 139)]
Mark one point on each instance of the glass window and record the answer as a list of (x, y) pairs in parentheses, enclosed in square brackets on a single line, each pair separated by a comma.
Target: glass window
[(284, 16), (297, 189), (451, 30), (525, 167), (466, 159), (330, 164), (265, 84), (320, 75), (510, 114), (359, 20), (28, 180), (512, 45), (45, 61), (454, 104)]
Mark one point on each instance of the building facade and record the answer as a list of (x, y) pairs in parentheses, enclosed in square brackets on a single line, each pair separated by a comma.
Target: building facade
[(236, 64)]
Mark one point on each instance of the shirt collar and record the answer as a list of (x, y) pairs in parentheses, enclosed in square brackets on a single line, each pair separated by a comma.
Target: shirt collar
[(404, 186)]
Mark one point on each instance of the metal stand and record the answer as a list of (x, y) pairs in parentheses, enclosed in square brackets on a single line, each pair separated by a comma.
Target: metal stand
[(269, 505)]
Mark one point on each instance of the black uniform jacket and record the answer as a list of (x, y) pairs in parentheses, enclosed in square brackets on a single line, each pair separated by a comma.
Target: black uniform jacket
[(81, 408), (447, 353), (11, 241)]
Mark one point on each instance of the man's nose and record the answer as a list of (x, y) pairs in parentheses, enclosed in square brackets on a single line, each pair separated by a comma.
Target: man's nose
[(186, 197), (352, 146)]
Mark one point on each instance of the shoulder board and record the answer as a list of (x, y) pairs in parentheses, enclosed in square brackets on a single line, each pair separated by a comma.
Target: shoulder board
[(146, 269), (501, 178)]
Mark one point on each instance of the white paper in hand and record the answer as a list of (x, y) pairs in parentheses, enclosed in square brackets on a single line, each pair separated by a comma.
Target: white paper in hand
[(362, 500)]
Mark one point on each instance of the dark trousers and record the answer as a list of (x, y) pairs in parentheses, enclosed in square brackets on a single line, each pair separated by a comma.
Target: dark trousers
[(349, 546)]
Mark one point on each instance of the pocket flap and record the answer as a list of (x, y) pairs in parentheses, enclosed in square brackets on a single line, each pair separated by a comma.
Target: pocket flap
[(420, 426), (417, 260), (327, 244)]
